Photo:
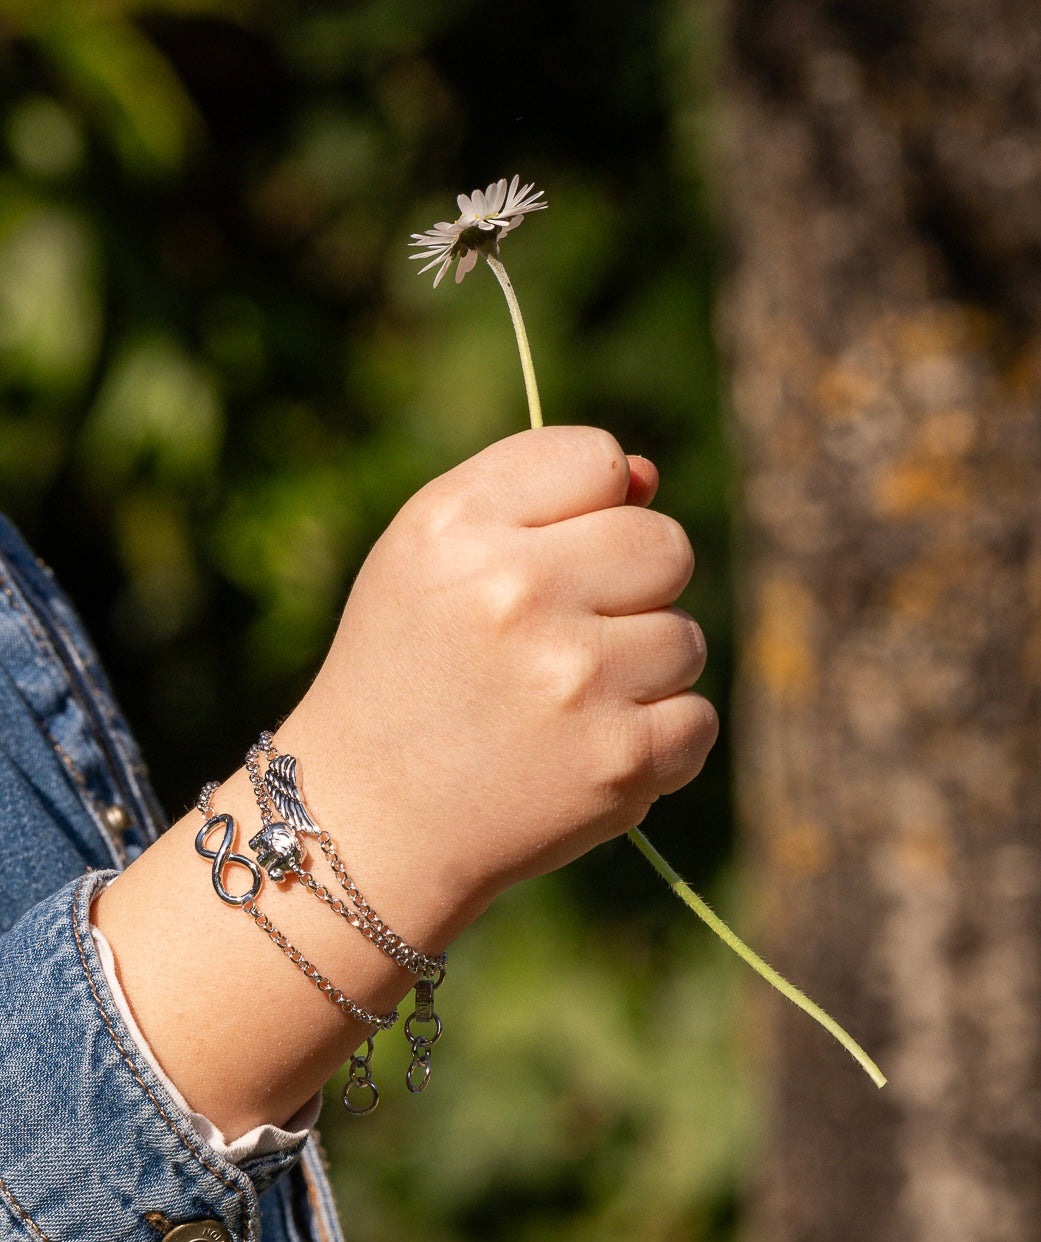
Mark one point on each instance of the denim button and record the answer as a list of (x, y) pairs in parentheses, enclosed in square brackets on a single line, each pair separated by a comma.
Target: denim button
[(116, 820), (198, 1231)]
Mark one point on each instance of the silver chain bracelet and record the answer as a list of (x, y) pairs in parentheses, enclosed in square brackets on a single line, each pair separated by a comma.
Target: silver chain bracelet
[(223, 857), (280, 853)]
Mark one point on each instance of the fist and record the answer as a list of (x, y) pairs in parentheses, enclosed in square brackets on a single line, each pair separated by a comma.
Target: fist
[(510, 683)]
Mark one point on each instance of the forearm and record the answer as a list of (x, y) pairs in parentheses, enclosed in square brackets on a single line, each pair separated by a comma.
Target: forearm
[(246, 1036), (508, 687)]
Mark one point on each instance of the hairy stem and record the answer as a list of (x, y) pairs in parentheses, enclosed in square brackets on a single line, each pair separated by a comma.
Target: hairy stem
[(682, 890), (687, 895), (527, 366)]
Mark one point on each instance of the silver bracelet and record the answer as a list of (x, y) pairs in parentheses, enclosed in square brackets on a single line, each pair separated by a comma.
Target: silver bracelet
[(360, 1073), (281, 853)]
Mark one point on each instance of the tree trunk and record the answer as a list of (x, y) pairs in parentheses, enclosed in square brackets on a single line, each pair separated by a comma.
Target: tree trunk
[(883, 179)]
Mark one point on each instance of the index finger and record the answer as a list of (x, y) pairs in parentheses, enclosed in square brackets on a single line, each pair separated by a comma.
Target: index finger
[(546, 475), (643, 482)]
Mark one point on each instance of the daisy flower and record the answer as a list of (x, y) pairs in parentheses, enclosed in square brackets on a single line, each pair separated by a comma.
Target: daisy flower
[(485, 216)]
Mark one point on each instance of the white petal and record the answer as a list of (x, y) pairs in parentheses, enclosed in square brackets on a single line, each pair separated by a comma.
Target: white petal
[(433, 243), (509, 197), (465, 264), (495, 196), (480, 205), (433, 262), (521, 200), (441, 272), (438, 236)]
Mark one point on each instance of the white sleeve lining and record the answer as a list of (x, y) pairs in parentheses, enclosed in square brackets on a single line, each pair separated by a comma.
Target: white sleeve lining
[(263, 1140)]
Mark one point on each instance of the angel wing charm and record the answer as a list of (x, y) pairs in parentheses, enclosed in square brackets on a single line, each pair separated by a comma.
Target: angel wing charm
[(284, 791)]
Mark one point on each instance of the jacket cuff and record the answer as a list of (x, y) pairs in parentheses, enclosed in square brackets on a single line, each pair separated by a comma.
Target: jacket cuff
[(94, 1141)]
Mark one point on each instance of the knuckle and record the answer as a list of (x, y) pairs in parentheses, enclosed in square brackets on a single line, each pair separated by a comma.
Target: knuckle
[(695, 738), (435, 511), (506, 595), (664, 543), (679, 741), (624, 762), (601, 441), (594, 444), (697, 648), (707, 723), (566, 675)]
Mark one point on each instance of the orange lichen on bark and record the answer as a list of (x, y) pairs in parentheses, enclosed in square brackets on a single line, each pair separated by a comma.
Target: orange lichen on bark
[(804, 848), (928, 851), (921, 483), (923, 586), (780, 647), (845, 389)]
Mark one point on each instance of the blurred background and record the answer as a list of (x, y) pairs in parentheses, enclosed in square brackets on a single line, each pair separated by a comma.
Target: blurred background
[(220, 377)]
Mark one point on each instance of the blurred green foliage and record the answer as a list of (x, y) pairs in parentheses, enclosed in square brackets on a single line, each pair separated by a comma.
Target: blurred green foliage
[(219, 379)]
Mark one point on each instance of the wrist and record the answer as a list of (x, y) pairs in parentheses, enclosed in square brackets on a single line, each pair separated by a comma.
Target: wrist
[(399, 839)]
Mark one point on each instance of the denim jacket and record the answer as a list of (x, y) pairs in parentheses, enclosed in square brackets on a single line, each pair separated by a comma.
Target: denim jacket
[(92, 1147)]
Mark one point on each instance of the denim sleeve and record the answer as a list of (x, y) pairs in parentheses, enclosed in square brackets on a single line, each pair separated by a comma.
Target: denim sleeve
[(92, 1147), (91, 1144)]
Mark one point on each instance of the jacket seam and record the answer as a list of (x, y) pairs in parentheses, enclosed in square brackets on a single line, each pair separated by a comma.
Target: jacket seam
[(141, 1082), (317, 1214), (320, 1206), (17, 604), (22, 1212)]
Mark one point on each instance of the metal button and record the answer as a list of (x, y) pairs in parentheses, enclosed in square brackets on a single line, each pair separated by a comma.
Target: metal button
[(198, 1231), (116, 819)]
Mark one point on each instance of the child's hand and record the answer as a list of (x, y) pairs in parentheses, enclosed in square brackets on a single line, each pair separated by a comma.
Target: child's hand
[(510, 684)]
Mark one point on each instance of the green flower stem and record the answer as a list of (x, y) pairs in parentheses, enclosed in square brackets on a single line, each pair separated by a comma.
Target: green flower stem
[(682, 890), (687, 895), (527, 366)]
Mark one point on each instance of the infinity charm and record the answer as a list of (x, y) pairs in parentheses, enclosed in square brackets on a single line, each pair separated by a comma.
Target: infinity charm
[(223, 857)]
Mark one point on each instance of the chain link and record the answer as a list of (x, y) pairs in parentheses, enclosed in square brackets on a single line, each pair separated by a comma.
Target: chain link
[(359, 1079), (418, 1073), (265, 745), (365, 920), (351, 1008), (361, 916), (382, 1022)]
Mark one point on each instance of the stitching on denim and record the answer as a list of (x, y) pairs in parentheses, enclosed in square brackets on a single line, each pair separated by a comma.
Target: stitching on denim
[(22, 1212), (8, 590), (80, 781), (74, 771), (102, 697), (40, 640), (316, 1194), (137, 1077), (14, 598)]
